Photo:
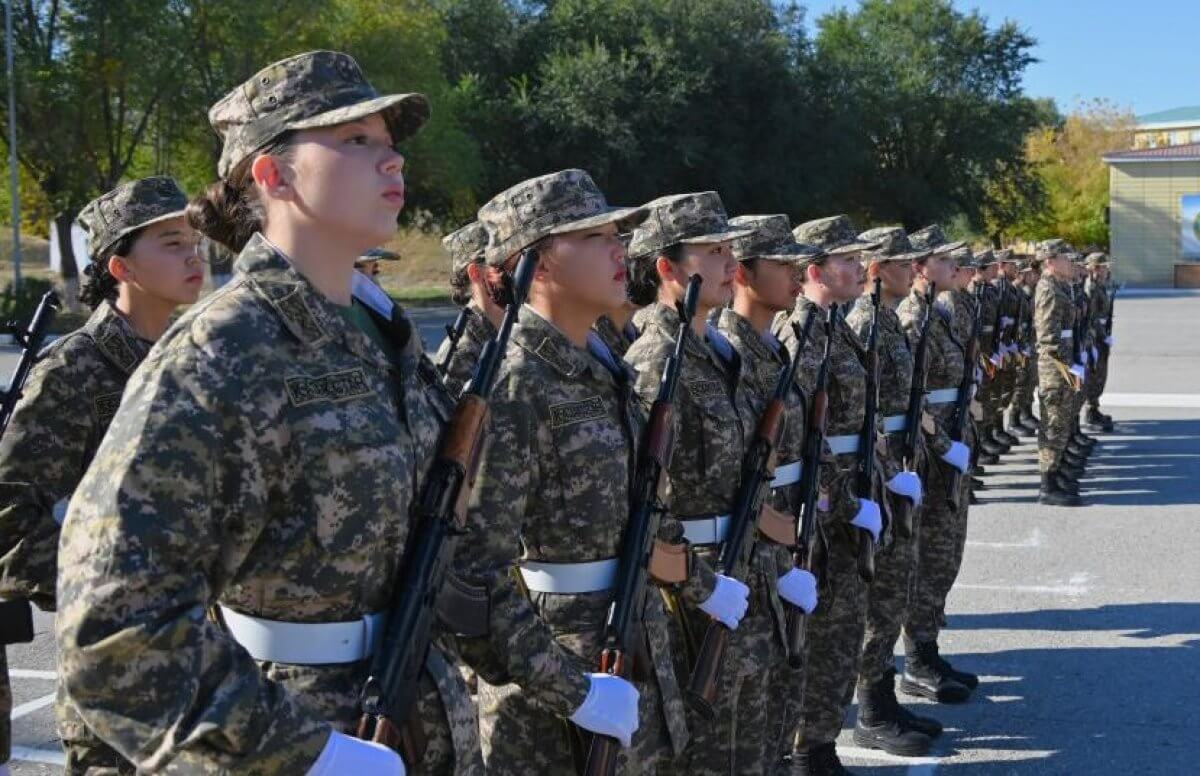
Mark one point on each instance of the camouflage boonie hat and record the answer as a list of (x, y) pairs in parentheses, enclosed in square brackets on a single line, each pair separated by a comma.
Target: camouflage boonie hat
[(961, 255), (1005, 255), (688, 219), (771, 240), (828, 233), (130, 207), (379, 254), (1097, 259), (1048, 249), (929, 237), (561, 202), (985, 258), (316, 89), (465, 245), (894, 245)]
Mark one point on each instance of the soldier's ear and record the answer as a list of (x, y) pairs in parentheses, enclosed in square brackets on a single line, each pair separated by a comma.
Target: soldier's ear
[(119, 268)]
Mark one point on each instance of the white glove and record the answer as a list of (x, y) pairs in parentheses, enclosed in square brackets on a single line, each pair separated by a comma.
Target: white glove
[(610, 708), (1028, 353), (958, 456), (728, 601), (997, 359), (1110, 340), (868, 518), (799, 588), (1095, 355), (343, 754), (1080, 371), (906, 484)]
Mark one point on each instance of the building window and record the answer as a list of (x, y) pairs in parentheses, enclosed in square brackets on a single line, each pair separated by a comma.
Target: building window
[(1178, 138), (1195, 136)]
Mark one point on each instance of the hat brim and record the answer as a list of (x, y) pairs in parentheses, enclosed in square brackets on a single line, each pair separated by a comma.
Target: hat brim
[(624, 217), (95, 251), (405, 114), (716, 237), (899, 257)]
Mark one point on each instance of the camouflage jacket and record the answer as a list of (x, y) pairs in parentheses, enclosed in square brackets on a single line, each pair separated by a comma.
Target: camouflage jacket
[(847, 400), (1098, 309), (945, 360), (617, 340), (1027, 335), (462, 363), (265, 458), (1054, 315), (1009, 305), (988, 334), (554, 486), (70, 398), (960, 305)]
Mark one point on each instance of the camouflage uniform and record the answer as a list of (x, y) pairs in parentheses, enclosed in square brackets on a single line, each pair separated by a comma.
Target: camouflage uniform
[(1053, 320), (292, 522), (1010, 304), (1099, 308), (714, 418), (617, 340), (70, 398), (465, 246), (989, 348), (1025, 390), (554, 488)]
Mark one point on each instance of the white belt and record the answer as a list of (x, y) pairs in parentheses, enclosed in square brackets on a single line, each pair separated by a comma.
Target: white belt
[(1101, 321), (788, 474), (1067, 334), (894, 424), (305, 643), (942, 396), (844, 445), (988, 329), (707, 530), (569, 578)]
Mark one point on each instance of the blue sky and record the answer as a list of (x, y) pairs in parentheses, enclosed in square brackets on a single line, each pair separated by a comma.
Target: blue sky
[(1144, 55)]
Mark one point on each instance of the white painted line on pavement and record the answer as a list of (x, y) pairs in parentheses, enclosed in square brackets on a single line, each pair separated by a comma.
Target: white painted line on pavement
[(1151, 400), (1074, 587), (32, 706), (883, 757), (45, 756), (27, 673), (1034, 540)]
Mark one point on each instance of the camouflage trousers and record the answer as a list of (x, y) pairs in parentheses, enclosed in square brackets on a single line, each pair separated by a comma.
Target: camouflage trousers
[(887, 602), (520, 737), (1096, 382), (1007, 388), (87, 754), (753, 710), (941, 540), (6, 704), (1060, 404), (833, 643), (1026, 387)]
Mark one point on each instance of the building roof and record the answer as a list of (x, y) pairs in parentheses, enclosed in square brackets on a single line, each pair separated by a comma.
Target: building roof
[(1188, 116), (1179, 153)]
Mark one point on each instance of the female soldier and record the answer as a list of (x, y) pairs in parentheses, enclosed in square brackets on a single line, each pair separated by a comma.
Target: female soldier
[(457, 358), (552, 499), (144, 265), (250, 501), (766, 283), (685, 235)]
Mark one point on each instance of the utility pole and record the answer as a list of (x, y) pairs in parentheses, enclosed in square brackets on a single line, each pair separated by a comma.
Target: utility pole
[(13, 176)]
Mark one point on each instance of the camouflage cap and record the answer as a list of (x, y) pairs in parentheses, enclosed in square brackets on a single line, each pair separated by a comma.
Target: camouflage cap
[(894, 245), (687, 219), (561, 202), (828, 233), (1048, 249), (316, 89), (1005, 254), (465, 245), (771, 239), (1097, 259), (129, 207), (985, 257), (962, 256), (929, 237), (379, 254)]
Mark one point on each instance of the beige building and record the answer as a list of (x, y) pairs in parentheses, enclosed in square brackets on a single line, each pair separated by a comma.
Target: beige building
[(1175, 127), (1154, 215)]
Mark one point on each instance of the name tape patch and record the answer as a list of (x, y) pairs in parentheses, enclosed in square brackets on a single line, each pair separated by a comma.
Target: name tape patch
[(335, 386), (571, 412)]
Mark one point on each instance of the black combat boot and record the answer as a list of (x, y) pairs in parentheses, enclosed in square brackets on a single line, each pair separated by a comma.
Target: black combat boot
[(818, 761), (965, 678), (1066, 483), (1052, 494), (924, 676), (1003, 436), (988, 446), (879, 725), (997, 437), (927, 725), (1077, 449), (1018, 425), (1098, 418), (978, 484), (1029, 419)]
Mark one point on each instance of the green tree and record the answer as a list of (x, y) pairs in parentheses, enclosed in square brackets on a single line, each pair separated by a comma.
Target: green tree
[(930, 102)]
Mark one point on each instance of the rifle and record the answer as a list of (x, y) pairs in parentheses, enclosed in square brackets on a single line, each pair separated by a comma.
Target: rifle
[(1017, 334), (454, 332), (16, 616), (912, 418), (807, 554), (966, 391), (30, 339), (1108, 322), (736, 551), (866, 445), (997, 329), (653, 459), (440, 513)]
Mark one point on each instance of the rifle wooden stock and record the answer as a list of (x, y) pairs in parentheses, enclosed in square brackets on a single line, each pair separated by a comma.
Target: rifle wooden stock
[(866, 454), (962, 404), (903, 511)]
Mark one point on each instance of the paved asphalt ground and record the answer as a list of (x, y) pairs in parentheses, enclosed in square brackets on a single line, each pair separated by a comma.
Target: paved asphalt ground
[(1083, 623)]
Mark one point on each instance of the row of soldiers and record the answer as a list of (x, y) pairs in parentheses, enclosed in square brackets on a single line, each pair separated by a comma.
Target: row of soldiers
[(240, 491)]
